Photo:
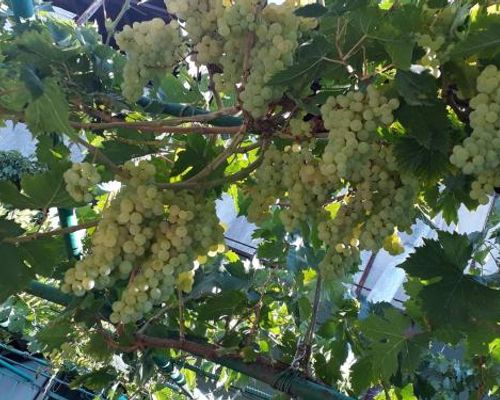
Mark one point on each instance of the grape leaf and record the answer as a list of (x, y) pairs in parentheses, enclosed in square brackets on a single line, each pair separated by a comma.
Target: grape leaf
[(98, 348), (54, 334), (340, 7), (424, 151), (482, 40), (39, 191), (197, 154), (172, 89), (9, 228), (449, 196), (310, 61), (49, 112), (15, 274), (95, 380), (119, 152), (401, 53), (37, 47), (390, 336), (311, 11), (221, 305), (453, 302), (50, 153), (425, 163), (43, 255), (416, 88)]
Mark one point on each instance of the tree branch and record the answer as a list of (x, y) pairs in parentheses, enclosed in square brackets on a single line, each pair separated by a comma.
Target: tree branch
[(119, 17), (216, 182), (216, 162), (55, 232), (156, 127)]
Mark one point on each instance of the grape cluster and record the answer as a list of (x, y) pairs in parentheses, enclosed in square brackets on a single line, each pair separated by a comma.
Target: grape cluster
[(361, 197), (201, 18), (276, 38), (151, 47), (79, 180), (301, 188), (479, 154), (220, 32), (300, 129), (352, 122), (267, 189), (357, 155), (305, 186), (151, 238), (430, 60)]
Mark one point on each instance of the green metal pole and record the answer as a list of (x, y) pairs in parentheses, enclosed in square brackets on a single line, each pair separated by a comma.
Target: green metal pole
[(49, 293), (183, 110), (167, 367), (22, 8), (67, 218)]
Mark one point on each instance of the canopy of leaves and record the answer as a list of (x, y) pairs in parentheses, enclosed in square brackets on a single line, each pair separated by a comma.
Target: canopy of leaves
[(281, 308)]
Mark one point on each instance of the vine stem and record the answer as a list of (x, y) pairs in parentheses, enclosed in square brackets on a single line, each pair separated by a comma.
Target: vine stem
[(216, 182), (97, 154), (55, 232), (217, 161), (119, 17), (182, 327), (155, 126), (215, 93), (386, 390), (354, 48)]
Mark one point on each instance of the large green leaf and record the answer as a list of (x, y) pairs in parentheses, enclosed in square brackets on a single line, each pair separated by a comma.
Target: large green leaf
[(482, 40), (417, 88), (449, 195), (9, 228), (95, 380), (424, 149), (453, 302), (44, 255), (197, 154), (311, 11), (390, 336), (39, 191), (36, 46), (421, 161), (224, 304), (55, 334), (98, 348), (311, 59), (178, 90), (124, 148), (49, 112), (14, 274)]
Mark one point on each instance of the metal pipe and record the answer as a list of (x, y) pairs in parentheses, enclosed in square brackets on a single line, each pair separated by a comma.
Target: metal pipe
[(22, 8), (67, 218), (23, 354), (16, 371), (49, 293), (38, 372)]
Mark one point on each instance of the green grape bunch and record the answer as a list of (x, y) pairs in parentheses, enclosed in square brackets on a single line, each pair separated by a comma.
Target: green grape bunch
[(149, 238), (151, 47), (479, 154), (79, 180)]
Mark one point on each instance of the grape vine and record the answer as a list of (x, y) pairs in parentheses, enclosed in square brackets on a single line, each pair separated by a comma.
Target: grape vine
[(347, 132)]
